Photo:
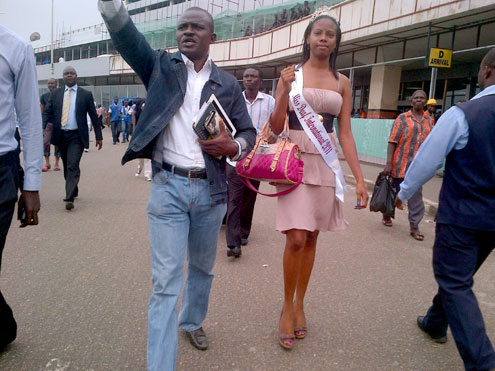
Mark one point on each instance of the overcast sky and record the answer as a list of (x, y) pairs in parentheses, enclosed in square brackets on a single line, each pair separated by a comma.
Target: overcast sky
[(27, 16)]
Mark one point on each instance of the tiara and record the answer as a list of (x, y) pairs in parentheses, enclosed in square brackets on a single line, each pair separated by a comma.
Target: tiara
[(323, 10)]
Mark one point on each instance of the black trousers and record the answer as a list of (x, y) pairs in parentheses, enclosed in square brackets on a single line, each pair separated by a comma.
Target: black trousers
[(457, 255), (71, 150), (240, 208), (9, 183)]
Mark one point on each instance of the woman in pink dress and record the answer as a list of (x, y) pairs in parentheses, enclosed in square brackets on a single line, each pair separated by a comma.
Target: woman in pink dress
[(312, 207)]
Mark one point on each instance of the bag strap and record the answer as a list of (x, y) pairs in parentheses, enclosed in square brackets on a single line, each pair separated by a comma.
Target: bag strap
[(247, 183), (263, 137)]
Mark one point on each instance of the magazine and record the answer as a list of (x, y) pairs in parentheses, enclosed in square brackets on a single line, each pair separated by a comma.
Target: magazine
[(207, 121)]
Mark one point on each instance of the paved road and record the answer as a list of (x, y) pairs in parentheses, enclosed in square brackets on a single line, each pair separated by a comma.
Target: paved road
[(79, 285), (431, 189)]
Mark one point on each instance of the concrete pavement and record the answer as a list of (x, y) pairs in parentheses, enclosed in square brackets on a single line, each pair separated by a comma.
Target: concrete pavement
[(79, 285), (431, 189)]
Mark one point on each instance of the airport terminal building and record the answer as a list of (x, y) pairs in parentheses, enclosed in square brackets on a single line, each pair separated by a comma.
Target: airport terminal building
[(389, 48)]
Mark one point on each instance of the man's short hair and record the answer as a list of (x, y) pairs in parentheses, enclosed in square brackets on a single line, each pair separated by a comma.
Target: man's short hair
[(489, 59), (205, 12), (419, 91), (260, 72), (69, 68)]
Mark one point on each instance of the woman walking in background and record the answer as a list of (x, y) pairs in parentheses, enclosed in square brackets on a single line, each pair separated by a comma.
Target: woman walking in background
[(313, 206), (143, 163), (100, 111)]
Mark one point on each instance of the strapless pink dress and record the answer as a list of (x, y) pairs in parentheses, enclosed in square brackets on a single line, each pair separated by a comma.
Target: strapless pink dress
[(313, 206)]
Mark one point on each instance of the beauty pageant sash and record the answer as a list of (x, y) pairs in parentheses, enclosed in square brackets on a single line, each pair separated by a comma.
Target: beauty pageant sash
[(315, 130)]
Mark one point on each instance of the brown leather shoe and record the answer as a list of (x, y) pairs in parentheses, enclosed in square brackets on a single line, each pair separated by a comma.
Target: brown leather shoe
[(198, 338)]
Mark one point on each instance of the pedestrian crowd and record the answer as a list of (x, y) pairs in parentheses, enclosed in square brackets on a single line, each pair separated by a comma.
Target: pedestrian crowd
[(280, 19), (195, 182)]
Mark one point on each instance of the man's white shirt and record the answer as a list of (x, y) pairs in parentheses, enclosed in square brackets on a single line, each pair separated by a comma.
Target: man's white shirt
[(178, 141)]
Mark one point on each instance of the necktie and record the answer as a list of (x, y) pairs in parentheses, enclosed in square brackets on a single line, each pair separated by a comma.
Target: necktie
[(65, 108)]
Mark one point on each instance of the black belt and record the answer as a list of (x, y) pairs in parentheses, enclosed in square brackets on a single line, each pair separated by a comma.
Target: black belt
[(294, 123), (188, 173)]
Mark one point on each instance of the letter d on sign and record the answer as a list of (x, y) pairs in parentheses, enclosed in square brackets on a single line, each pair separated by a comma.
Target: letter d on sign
[(440, 54)]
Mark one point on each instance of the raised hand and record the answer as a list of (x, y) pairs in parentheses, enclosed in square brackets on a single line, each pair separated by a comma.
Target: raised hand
[(288, 76)]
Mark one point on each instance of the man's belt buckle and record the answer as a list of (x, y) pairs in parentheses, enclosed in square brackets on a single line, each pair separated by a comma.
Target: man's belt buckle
[(194, 174)]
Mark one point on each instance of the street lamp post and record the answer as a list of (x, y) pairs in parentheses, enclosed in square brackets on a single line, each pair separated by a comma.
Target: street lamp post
[(51, 43)]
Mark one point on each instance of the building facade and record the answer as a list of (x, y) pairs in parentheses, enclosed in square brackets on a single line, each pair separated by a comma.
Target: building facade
[(385, 44)]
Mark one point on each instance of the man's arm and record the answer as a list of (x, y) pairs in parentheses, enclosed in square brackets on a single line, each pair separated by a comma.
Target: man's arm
[(395, 135), (94, 119), (450, 132), (30, 125), (390, 156), (128, 41)]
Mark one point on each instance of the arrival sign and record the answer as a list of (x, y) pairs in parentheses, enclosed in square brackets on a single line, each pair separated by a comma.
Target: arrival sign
[(440, 58)]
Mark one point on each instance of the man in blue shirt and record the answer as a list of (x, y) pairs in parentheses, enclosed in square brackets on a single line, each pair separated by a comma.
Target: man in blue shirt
[(20, 103), (126, 121), (114, 112), (465, 229)]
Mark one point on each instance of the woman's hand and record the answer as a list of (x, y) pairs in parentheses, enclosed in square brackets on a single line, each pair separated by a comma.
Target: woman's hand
[(361, 196), (288, 76)]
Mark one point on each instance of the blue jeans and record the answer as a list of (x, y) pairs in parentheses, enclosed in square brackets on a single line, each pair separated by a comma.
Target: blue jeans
[(115, 125), (126, 129), (180, 218)]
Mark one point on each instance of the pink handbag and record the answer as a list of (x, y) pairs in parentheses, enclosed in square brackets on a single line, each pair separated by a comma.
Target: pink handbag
[(278, 162)]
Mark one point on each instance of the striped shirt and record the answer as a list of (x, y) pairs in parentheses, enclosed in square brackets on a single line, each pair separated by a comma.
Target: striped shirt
[(260, 109), (408, 133)]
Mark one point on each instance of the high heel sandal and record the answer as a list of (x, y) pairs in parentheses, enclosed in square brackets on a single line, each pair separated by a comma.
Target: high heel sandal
[(300, 332), (286, 341)]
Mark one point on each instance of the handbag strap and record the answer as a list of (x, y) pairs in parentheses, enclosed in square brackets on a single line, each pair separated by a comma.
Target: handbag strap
[(280, 149), (247, 183)]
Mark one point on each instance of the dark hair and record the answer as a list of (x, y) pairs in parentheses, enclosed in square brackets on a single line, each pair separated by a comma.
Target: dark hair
[(260, 72), (306, 49)]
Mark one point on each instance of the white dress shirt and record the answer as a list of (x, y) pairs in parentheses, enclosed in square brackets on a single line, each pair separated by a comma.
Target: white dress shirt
[(71, 120), (178, 141), (19, 95)]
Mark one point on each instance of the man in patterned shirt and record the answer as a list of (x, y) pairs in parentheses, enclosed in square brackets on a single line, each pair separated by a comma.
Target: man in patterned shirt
[(408, 133)]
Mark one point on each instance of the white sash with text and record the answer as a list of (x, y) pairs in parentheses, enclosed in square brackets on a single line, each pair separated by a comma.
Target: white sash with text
[(315, 130)]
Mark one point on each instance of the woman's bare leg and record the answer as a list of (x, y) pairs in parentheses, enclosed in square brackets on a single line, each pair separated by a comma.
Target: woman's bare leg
[(294, 245), (305, 269)]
